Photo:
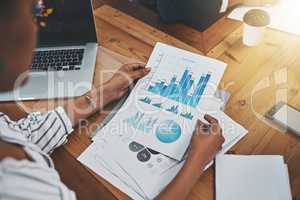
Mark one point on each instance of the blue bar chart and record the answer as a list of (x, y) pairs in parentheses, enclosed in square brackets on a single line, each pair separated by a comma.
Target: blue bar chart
[(180, 91), (141, 122)]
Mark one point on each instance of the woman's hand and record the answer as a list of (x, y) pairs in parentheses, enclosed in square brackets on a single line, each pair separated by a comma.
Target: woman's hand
[(99, 97), (119, 84), (206, 142)]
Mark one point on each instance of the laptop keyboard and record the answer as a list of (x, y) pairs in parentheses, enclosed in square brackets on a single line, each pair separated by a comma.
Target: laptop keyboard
[(57, 60)]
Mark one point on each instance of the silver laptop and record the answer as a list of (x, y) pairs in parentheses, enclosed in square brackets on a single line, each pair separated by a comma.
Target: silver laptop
[(63, 64)]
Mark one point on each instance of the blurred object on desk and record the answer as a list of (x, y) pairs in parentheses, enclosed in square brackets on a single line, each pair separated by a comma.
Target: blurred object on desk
[(285, 15)]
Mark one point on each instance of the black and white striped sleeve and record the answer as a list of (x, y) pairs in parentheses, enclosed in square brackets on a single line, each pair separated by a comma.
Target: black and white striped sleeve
[(47, 130)]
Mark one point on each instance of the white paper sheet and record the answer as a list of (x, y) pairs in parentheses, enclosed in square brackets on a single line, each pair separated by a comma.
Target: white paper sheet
[(161, 112), (94, 160), (285, 15), (154, 174), (111, 157), (251, 177), (118, 174), (133, 164)]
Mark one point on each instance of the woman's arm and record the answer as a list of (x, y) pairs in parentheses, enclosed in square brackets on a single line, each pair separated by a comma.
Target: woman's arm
[(98, 98), (50, 130), (206, 142)]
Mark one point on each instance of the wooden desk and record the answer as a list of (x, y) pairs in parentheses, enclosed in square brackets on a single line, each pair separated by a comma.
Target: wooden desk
[(255, 77)]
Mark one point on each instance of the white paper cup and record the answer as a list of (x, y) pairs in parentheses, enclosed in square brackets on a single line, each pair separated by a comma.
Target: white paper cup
[(253, 35), (255, 23)]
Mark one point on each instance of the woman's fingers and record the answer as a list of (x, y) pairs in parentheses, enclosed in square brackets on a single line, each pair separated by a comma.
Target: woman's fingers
[(134, 66), (199, 125), (202, 127), (135, 70), (211, 119), (215, 127), (139, 73)]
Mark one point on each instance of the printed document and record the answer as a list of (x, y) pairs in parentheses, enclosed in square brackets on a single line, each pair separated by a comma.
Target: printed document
[(144, 145)]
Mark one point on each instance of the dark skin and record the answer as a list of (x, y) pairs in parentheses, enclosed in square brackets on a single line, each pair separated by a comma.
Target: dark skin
[(18, 40), (24, 41)]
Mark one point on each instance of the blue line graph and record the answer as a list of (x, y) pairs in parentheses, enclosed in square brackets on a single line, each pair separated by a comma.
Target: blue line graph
[(158, 105), (187, 115), (146, 100), (173, 109), (179, 91)]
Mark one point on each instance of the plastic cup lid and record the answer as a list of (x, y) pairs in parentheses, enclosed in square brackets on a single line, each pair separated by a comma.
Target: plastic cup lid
[(257, 17)]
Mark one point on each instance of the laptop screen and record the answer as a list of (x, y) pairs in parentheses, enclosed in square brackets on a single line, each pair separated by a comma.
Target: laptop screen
[(65, 22)]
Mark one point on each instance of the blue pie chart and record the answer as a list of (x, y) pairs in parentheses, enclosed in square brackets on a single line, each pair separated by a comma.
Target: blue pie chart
[(168, 131)]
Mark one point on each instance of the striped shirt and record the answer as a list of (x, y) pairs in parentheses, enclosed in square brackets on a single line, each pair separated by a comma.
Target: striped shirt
[(39, 134)]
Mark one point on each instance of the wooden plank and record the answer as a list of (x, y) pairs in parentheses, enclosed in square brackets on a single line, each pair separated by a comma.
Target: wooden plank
[(258, 77), (122, 42), (201, 40), (84, 185), (186, 34), (206, 40), (218, 32), (97, 4), (138, 29)]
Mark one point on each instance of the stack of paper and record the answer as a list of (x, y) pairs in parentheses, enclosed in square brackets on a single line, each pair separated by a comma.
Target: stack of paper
[(284, 15), (252, 177), (142, 148)]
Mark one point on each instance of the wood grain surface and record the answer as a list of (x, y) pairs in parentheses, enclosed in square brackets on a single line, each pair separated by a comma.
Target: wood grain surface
[(256, 77)]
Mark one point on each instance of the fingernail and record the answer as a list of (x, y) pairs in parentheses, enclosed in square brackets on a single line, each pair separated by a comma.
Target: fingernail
[(148, 69)]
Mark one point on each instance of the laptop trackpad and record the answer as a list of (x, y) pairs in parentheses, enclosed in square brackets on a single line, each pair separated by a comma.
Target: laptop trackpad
[(35, 86)]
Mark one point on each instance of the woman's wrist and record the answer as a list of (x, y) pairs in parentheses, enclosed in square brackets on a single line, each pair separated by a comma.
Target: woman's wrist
[(197, 157), (84, 106), (193, 169), (102, 96), (196, 164)]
